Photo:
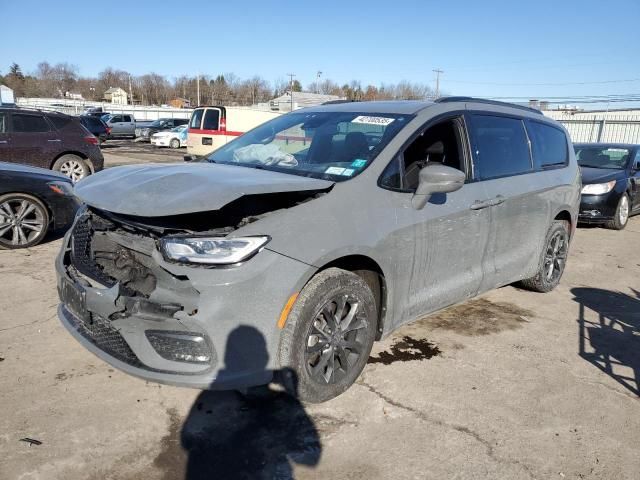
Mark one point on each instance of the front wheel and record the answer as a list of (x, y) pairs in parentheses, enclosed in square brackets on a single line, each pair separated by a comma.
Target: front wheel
[(329, 334), (174, 143), (621, 217), (24, 221), (553, 259)]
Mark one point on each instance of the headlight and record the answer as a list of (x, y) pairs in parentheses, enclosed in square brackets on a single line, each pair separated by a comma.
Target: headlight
[(61, 188), (211, 250), (598, 188)]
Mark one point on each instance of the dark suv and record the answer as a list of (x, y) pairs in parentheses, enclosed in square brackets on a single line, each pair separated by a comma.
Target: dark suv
[(49, 140)]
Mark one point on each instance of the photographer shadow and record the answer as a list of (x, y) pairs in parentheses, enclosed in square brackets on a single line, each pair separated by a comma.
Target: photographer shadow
[(257, 435), (612, 342)]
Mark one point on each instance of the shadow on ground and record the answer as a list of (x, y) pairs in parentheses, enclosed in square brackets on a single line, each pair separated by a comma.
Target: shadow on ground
[(228, 435), (612, 342)]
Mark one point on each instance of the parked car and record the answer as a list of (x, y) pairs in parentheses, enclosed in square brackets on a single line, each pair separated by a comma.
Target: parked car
[(97, 127), (144, 133), (174, 138), (49, 140), (313, 235), (611, 183), (32, 202), (121, 125)]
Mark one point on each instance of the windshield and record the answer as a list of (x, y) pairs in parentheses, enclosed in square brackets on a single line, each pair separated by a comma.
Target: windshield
[(602, 157), (330, 145), (179, 129)]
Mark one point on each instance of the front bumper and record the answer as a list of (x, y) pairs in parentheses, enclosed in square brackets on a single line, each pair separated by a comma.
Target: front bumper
[(598, 208), (160, 142), (234, 310)]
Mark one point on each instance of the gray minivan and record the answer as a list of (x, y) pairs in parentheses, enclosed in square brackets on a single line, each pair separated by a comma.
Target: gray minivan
[(297, 245)]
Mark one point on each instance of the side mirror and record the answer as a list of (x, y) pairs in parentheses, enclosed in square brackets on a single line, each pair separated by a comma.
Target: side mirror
[(436, 178), (189, 158)]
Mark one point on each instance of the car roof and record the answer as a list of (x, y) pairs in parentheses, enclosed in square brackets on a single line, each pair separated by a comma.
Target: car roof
[(605, 144), (386, 106)]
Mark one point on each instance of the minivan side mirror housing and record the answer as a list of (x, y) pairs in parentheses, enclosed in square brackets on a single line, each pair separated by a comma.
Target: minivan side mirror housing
[(189, 158), (436, 178)]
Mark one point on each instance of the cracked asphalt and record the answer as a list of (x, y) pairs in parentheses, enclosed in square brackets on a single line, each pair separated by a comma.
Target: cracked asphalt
[(512, 385)]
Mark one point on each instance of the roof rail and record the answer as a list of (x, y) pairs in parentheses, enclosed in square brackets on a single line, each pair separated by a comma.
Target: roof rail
[(487, 101), (334, 102)]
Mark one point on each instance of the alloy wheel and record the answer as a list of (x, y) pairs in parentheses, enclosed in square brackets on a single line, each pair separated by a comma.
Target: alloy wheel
[(73, 169), (336, 339), (623, 210), (21, 221), (555, 256)]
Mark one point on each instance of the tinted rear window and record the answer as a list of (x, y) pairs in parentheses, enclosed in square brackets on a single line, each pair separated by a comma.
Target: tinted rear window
[(211, 119), (59, 121), (196, 119), (29, 123), (500, 146), (548, 144)]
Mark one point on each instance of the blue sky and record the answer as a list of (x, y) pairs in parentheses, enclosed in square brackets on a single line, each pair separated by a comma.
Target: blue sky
[(486, 48)]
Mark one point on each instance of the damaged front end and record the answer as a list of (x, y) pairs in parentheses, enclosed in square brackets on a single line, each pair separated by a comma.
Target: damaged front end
[(112, 286), (169, 320)]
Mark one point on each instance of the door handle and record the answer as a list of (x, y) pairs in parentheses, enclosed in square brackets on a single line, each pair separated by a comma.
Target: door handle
[(479, 205), (56, 140), (4, 141)]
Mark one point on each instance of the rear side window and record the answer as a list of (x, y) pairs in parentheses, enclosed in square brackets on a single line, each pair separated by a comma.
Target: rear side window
[(196, 119), (59, 121), (3, 123), (29, 123), (548, 144), (211, 119), (500, 146), (126, 118)]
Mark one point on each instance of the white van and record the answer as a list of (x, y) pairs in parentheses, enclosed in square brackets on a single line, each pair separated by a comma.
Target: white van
[(212, 127)]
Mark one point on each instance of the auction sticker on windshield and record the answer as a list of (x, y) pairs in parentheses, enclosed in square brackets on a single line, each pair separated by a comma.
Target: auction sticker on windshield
[(383, 121)]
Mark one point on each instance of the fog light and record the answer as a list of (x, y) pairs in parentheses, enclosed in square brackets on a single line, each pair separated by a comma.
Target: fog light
[(180, 346), (592, 213)]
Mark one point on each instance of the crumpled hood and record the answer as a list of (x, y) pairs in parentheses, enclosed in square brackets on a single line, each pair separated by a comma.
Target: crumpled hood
[(600, 175), (156, 190)]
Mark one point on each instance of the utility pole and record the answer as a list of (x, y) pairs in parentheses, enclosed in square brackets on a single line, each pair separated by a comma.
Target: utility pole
[(198, 87), (438, 72), (318, 81), (291, 75), (130, 91)]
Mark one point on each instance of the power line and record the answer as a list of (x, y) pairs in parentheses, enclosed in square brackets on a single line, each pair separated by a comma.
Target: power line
[(552, 84)]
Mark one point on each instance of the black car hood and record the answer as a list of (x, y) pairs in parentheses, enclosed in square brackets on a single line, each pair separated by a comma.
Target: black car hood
[(155, 190), (600, 175)]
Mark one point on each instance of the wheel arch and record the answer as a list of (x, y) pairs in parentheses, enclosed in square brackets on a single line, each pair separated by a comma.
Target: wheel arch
[(372, 273), (83, 156)]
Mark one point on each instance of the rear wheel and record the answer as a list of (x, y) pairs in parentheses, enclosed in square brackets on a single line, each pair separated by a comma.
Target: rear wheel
[(329, 334), (621, 216), (72, 166), (24, 221), (553, 259), (174, 143)]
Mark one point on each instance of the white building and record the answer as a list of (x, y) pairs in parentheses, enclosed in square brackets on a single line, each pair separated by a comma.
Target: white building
[(283, 103), (116, 95)]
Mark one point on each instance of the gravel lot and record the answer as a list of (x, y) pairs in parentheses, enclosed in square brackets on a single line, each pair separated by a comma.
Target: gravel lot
[(510, 385)]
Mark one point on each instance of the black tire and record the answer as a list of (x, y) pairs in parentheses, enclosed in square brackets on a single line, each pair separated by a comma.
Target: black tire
[(11, 202), (620, 219), (174, 143), (72, 166), (307, 321), (553, 255)]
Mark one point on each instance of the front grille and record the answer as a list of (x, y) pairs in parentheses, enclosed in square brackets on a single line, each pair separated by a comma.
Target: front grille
[(106, 337), (81, 256)]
